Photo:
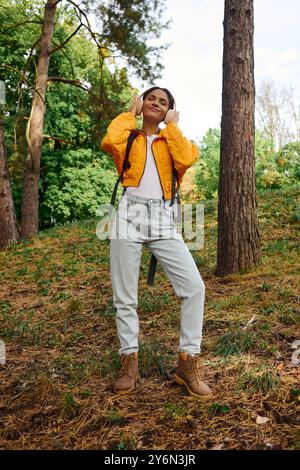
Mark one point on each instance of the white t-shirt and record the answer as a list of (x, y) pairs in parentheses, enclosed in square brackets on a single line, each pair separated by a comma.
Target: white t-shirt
[(150, 186)]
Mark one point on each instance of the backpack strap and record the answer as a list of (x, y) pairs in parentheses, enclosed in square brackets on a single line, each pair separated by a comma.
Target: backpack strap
[(126, 165), (152, 270), (174, 189)]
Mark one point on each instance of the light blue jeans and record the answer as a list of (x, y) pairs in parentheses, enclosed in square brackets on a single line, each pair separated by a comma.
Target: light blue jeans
[(141, 221)]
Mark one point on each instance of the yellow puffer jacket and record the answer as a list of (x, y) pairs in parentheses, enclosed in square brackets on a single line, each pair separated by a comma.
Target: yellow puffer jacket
[(167, 146)]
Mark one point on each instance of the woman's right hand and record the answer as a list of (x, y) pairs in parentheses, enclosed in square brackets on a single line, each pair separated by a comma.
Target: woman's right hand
[(132, 107)]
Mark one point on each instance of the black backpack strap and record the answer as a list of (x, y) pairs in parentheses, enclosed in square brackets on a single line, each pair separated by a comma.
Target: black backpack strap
[(174, 189), (152, 270), (126, 165)]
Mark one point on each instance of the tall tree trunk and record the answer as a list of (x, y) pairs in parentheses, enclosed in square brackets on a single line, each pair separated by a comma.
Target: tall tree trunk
[(29, 222), (238, 232), (8, 222)]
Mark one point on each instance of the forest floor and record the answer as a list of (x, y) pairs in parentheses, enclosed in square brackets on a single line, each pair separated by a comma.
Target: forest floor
[(58, 326)]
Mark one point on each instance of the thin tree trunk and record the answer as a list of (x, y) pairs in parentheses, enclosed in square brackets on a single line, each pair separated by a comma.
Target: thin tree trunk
[(238, 231), (29, 221), (8, 222)]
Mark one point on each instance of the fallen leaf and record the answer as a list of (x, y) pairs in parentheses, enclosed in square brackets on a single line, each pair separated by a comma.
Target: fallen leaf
[(217, 447), (295, 359), (139, 444), (261, 419), (268, 444), (253, 319)]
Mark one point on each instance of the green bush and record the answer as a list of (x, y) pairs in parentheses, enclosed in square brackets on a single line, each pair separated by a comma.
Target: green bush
[(207, 167), (288, 162), (78, 193), (274, 170), (76, 183)]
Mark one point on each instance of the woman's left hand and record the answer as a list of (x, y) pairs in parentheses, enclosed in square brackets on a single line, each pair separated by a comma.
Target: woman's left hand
[(133, 104), (175, 118)]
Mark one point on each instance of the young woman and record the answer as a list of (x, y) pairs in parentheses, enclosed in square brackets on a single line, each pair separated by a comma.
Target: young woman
[(145, 217)]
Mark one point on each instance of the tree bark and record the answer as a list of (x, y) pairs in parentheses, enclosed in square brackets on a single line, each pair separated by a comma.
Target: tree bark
[(29, 220), (8, 222), (238, 231)]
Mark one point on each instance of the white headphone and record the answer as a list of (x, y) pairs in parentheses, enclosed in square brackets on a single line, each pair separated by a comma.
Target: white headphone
[(168, 117)]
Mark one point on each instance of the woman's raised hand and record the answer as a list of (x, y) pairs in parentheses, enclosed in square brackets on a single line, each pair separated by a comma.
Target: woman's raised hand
[(133, 103), (175, 118)]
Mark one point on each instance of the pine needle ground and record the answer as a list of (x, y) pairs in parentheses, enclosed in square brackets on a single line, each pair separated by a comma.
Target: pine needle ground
[(58, 325)]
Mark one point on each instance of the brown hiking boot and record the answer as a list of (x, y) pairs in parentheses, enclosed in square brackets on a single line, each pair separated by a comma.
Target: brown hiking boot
[(128, 375), (188, 373)]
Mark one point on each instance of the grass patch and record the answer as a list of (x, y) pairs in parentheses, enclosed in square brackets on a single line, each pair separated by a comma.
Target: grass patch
[(150, 302), (257, 380), (177, 411), (218, 409), (237, 341), (70, 406), (114, 417), (153, 358)]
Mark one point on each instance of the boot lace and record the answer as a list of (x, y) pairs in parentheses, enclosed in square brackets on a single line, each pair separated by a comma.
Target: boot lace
[(196, 367), (126, 365)]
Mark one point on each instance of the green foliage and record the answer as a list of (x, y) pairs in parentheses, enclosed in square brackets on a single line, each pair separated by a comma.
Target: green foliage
[(267, 175), (75, 177), (276, 170), (207, 167), (128, 25), (273, 170), (67, 118), (74, 186), (16, 41), (288, 162)]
